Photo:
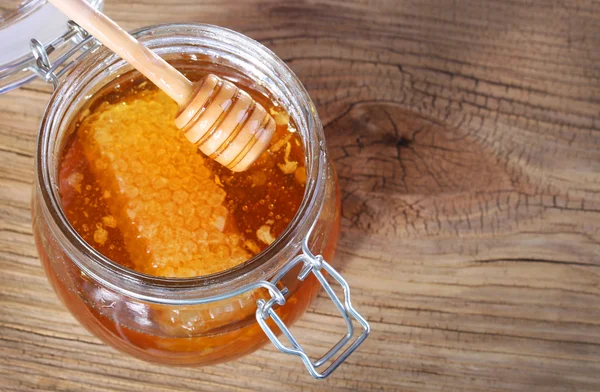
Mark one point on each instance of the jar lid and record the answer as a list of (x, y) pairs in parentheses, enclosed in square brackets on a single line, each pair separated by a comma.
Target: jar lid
[(21, 21)]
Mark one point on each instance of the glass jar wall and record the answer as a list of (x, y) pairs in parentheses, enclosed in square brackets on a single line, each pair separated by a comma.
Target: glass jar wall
[(188, 321)]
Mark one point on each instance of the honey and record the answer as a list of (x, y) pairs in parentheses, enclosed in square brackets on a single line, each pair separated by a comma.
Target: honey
[(142, 195)]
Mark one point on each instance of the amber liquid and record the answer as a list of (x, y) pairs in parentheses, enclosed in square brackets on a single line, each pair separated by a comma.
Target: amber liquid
[(263, 195), (93, 181)]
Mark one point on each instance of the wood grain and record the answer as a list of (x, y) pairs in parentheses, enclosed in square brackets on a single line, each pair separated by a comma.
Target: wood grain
[(467, 139)]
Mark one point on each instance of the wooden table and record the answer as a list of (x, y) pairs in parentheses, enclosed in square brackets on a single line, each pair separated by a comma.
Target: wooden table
[(467, 140)]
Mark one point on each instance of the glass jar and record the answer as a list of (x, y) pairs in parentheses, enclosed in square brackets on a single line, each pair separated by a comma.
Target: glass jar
[(209, 319)]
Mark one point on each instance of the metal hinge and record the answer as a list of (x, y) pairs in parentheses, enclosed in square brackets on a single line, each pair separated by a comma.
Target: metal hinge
[(44, 67)]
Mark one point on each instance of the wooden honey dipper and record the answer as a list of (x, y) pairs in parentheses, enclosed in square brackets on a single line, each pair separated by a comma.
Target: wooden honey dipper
[(224, 121)]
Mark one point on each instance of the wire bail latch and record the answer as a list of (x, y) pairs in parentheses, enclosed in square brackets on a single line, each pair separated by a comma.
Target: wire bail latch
[(315, 265)]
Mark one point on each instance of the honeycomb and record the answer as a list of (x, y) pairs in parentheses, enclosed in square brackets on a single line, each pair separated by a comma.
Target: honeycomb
[(172, 213)]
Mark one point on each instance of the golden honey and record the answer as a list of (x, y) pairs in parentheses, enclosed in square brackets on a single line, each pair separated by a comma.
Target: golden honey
[(141, 194)]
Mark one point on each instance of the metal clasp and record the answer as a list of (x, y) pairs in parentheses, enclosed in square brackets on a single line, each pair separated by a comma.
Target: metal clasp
[(313, 264), (43, 66)]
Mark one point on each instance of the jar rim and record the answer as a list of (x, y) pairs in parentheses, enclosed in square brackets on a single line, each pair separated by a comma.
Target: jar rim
[(97, 61)]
